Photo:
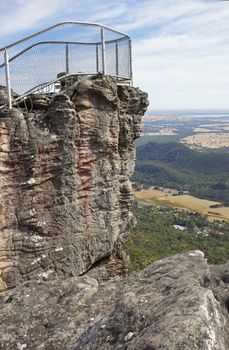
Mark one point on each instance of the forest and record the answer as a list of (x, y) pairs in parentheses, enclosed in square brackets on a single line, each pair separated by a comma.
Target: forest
[(163, 231), (174, 165)]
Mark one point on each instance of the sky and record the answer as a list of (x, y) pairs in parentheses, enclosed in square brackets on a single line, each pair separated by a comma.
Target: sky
[(180, 47)]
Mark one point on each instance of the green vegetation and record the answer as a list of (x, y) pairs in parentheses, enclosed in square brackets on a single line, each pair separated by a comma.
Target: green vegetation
[(155, 237), (174, 165)]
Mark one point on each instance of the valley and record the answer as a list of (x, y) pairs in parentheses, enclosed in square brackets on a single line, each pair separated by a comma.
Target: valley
[(181, 191), (202, 174)]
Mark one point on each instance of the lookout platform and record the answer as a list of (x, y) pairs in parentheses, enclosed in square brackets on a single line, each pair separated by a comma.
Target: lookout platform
[(33, 63)]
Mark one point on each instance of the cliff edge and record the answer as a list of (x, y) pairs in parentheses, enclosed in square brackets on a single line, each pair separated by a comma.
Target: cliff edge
[(65, 163)]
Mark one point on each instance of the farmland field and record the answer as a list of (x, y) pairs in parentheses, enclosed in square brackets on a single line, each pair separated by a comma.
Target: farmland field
[(186, 202), (210, 128), (207, 140)]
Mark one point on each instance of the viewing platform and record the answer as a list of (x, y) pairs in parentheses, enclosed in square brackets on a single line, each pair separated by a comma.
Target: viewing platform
[(34, 63)]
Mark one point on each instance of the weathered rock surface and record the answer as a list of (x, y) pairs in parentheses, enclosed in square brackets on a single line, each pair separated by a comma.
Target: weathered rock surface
[(177, 303), (3, 95), (65, 193)]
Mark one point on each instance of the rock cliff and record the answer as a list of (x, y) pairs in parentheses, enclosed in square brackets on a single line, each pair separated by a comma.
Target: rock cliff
[(65, 164), (65, 193)]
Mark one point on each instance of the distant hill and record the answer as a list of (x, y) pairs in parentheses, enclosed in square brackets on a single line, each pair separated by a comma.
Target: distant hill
[(204, 174)]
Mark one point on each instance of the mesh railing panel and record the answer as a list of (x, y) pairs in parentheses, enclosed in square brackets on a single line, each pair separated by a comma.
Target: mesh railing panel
[(124, 66), (82, 58), (111, 59), (39, 58), (118, 58)]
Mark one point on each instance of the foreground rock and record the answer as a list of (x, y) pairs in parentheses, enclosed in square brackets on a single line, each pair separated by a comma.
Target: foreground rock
[(65, 193), (177, 303)]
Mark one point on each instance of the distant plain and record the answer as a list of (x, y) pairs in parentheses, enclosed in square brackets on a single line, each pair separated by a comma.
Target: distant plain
[(199, 129)]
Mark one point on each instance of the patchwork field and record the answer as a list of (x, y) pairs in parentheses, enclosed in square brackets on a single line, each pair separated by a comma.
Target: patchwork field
[(198, 129), (207, 140), (212, 128), (185, 202), (161, 131)]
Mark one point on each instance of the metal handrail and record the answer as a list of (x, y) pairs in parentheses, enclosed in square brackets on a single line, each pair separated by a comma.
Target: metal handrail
[(62, 23), (100, 45), (60, 42)]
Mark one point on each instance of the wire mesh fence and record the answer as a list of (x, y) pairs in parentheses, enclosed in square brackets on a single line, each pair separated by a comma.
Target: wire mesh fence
[(68, 48)]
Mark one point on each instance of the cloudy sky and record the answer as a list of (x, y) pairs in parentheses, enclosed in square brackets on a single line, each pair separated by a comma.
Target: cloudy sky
[(180, 47)]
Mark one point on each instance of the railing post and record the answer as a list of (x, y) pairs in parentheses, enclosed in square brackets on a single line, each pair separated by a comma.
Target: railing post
[(103, 48), (7, 72), (67, 58), (116, 55), (97, 58), (130, 62)]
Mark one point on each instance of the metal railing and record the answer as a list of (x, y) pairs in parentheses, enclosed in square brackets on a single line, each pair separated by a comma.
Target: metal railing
[(69, 48)]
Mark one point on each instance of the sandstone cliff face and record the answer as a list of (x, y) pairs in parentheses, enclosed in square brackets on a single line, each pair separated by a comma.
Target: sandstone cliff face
[(64, 185), (65, 208), (178, 303)]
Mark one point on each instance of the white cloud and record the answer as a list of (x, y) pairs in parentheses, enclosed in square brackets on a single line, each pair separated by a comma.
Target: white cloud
[(180, 47), (21, 14), (185, 64), (108, 11), (151, 13)]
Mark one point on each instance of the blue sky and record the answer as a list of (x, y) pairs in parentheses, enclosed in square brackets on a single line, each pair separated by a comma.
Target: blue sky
[(180, 47)]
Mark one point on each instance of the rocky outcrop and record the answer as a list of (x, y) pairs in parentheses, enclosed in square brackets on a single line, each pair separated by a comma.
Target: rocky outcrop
[(177, 303), (4, 97), (65, 164)]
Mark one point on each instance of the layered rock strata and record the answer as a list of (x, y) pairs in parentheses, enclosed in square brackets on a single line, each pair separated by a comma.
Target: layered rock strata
[(65, 164)]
